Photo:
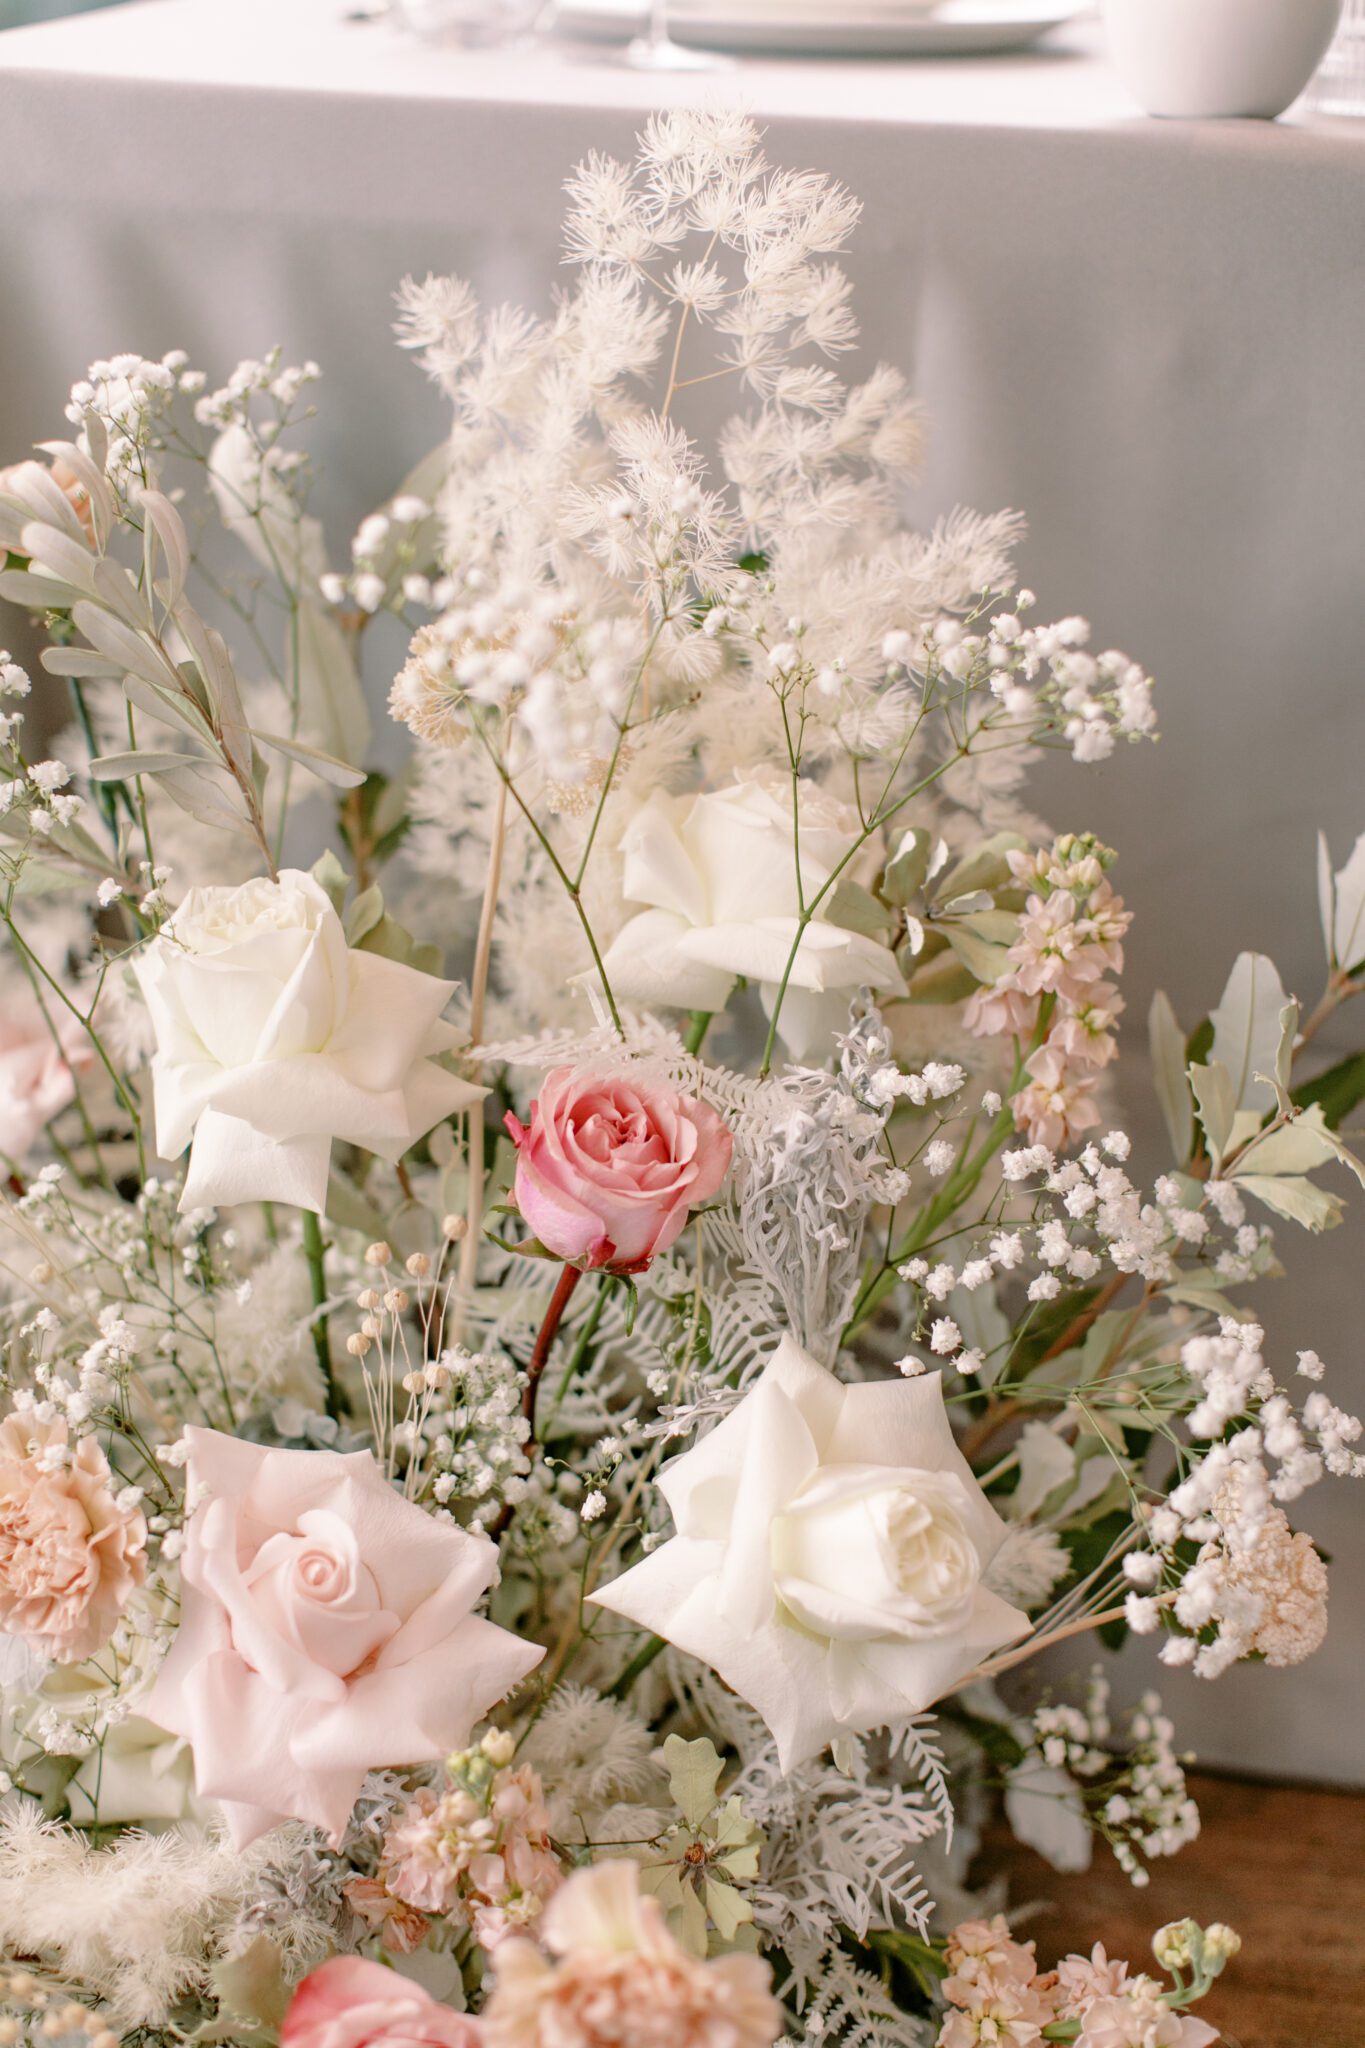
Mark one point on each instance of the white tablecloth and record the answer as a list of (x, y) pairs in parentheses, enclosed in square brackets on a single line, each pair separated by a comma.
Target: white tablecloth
[(1151, 336)]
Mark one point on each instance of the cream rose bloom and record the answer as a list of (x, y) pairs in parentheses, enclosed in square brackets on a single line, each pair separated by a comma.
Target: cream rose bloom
[(327, 1629), (274, 1037), (70, 1555), (718, 872), (829, 1554)]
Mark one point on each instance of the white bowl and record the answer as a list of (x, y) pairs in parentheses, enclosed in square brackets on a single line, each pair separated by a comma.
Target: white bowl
[(1199, 58)]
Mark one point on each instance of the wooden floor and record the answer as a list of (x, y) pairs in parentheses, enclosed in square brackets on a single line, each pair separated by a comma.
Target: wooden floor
[(1285, 1867)]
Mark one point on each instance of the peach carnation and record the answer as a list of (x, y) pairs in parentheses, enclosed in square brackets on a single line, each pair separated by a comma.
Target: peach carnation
[(70, 1555), (618, 1979)]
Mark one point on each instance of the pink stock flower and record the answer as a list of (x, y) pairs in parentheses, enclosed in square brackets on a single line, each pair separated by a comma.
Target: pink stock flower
[(993, 1982), (70, 1555), (1058, 1102), (400, 1927), (1002, 1011), (616, 1978), (610, 1165), (1082, 1979), (349, 2003), (327, 1629), (1137, 2017), (482, 1862)]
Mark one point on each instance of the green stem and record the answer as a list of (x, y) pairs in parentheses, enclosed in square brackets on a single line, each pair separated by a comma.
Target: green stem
[(638, 1664), (698, 1024), (314, 1252)]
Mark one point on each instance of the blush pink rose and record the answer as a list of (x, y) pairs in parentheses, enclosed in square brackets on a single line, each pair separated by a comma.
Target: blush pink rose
[(36, 1069), (611, 1164), (349, 2003), (70, 1556), (326, 1630)]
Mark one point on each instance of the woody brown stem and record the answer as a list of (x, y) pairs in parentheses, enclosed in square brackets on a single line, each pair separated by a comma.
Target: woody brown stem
[(559, 1301)]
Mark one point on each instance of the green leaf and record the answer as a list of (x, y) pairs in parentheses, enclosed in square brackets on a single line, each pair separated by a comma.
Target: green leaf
[(252, 1984), (920, 1959), (985, 867), (325, 766), (1299, 1200), (330, 875), (1300, 1146), (942, 979), (728, 1909), (694, 1770), (142, 761), (1216, 1097), (855, 909), (907, 868), (364, 914), (1246, 1029), (1338, 1091), (984, 960), (1167, 1043)]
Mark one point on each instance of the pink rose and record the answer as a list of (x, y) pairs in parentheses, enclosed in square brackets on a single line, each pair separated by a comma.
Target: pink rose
[(611, 1164), (70, 1556), (349, 2003), (326, 1629), (36, 1069)]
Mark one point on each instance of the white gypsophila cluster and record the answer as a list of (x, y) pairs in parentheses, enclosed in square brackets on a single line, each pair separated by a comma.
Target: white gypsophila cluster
[(1135, 1798), (1250, 1576)]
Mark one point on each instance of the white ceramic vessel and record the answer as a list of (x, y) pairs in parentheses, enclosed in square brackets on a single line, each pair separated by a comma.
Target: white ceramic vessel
[(1199, 58)]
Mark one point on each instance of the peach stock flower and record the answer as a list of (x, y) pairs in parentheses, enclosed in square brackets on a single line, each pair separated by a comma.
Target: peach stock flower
[(70, 1555), (349, 2003), (611, 1164), (616, 1978), (326, 1629)]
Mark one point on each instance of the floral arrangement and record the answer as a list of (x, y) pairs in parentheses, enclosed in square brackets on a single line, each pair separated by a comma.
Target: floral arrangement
[(525, 1497)]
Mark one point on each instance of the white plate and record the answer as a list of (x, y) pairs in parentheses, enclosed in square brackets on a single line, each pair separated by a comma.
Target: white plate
[(952, 28)]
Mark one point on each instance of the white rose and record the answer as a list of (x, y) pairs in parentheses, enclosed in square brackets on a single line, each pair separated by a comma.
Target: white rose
[(864, 1551), (719, 874), (829, 1554), (274, 1037)]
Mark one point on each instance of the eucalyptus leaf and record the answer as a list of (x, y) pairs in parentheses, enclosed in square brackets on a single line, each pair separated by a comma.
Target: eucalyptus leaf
[(1246, 1029), (165, 522), (1167, 1043), (79, 661), (90, 476), (1346, 891), (1299, 1200), (325, 766), (141, 761), (119, 641), (1216, 1097), (53, 553), (36, 593)]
